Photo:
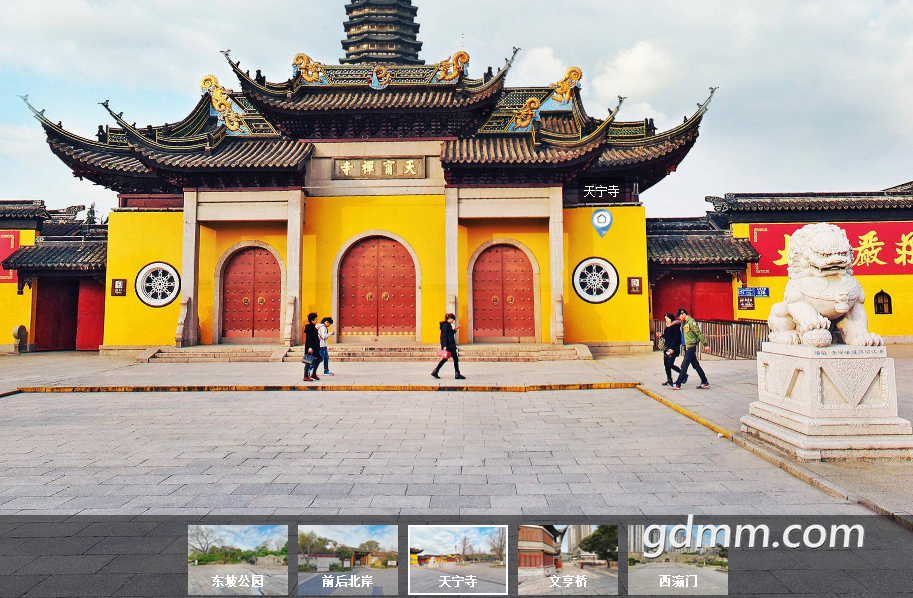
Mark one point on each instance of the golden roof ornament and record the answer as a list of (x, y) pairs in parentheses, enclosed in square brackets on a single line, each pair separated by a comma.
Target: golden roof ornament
[(221, 103), (571, 78), (527, 113), (451, 68), (307, 68)]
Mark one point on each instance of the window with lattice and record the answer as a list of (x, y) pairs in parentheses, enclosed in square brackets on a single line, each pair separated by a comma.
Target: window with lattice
[(882, 303)]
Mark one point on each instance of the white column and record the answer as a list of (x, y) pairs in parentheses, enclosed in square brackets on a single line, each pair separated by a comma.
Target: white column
[(296, 204), (556, 262), (452, 249), (190, 267)]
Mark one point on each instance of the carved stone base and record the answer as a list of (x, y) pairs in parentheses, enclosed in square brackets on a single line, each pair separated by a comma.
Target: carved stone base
[(838, 402)]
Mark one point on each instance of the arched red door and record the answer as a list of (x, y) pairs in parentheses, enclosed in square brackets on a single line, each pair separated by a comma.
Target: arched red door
[(251, 295), (377, 290), (503, 296)]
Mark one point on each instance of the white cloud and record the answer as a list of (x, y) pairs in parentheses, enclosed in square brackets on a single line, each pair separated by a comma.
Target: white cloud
[(538, 67), (354, 535), (636, 72), (248, 537), (444, 539)]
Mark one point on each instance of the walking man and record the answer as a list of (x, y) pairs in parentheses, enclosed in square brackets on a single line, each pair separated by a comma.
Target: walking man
[(691, 337), (323, 333)]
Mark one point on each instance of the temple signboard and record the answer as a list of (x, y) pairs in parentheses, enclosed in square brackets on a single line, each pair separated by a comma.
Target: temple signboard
[(345, 169), (878, 247)]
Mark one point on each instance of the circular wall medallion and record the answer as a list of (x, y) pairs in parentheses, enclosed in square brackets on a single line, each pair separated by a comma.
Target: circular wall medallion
[(158, 284), (595, 280)]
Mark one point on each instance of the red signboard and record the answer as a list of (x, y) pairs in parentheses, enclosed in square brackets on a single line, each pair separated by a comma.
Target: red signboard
[(9, 242), (878, 247)]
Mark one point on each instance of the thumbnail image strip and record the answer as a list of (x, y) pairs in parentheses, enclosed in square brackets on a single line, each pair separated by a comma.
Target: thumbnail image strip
[(348, 560), (455, 560), (567, 560), (237, 560)]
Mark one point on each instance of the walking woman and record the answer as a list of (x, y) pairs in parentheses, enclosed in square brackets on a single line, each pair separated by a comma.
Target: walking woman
[(448, 343), (671, 345)]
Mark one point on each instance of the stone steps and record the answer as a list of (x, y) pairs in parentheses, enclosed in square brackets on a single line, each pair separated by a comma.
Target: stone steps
[(358, 353)]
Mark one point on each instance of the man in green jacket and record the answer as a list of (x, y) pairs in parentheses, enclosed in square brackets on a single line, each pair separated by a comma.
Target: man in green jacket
[(691, 338)]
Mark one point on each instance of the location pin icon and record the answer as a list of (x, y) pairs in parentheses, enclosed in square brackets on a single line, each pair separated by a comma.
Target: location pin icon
[(602, 221)]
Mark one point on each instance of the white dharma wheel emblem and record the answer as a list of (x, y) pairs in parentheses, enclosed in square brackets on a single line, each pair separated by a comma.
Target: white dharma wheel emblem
[(595, 280), (158, 284)]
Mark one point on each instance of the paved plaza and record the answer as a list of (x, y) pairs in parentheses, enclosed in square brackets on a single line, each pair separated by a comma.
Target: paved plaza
[(590, 452), (384, 582), (450, 578), (644, 580), (210, 580), (597, 581)]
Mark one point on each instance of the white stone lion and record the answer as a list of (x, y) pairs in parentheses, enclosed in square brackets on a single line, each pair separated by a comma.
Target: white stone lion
[(823, 303)]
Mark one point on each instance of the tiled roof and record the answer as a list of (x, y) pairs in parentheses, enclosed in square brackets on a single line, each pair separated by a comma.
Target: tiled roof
[(102, 158), (323, 100), (650, 148), (756, 202), (23, 209), (519, 150), (902, 188), (560, 122), (709, 223), (53, 228), (235, 152), (700, 249), (59, 255)]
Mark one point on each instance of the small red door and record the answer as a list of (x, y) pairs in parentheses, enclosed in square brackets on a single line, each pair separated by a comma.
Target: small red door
[(503, 296), (251, 295), (56, 313), (90, 326), (377, 290), (706, 296)]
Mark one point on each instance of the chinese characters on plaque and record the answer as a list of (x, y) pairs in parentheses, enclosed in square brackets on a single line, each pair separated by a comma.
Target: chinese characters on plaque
[(878, 247), (118, 287), (378, 168)]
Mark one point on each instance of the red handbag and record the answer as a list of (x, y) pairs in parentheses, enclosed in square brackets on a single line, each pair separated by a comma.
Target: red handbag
[(443, 353)]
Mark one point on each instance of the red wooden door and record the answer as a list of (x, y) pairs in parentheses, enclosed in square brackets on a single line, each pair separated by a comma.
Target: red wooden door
[(90, 325), (377, 290), (56, 313), (503, 296), (251, 295), (706, 296)]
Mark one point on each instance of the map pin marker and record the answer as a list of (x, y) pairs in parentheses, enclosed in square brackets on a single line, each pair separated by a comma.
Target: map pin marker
[(602, 221)]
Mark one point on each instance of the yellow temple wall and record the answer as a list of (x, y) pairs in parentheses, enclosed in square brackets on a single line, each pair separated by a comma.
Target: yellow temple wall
[(215, 240), (624, 318), (15, 309), (136, 239), (899, 287), (330, 222), (531, 232)]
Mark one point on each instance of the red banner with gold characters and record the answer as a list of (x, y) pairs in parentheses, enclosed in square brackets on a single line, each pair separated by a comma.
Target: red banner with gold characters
[(9, 242), (878, 247)]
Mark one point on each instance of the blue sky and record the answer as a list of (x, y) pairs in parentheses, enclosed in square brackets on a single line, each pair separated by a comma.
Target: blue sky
[(442, 539), (813, 93), (248, 537), (353, 535)]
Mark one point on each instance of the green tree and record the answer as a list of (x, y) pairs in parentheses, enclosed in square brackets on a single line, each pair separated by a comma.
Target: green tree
[(344, 553), (310, 542), (724, 552), (603, 542), (285, 548), (91, 217), (371, 545)]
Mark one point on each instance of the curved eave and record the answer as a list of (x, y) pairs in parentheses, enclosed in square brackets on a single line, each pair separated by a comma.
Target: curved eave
[(191, 144), (372, 36), (246, 155), (278, 96)]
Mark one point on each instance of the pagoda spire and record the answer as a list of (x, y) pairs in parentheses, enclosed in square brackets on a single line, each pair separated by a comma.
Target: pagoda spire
[(381, 32)]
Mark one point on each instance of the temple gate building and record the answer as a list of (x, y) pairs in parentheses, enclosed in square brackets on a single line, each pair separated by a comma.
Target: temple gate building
[(382, 191)]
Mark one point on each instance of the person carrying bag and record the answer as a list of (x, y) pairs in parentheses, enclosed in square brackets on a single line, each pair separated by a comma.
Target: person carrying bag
[(448, 347)]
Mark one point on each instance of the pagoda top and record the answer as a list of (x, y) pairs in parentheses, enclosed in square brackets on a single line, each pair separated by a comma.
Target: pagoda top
[(381, 32)]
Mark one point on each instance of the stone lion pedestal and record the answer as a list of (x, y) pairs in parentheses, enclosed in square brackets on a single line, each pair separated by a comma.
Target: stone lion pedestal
[(831, 403)]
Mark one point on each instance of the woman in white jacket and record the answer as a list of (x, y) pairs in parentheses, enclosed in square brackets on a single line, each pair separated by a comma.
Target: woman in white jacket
[(323, 332)]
